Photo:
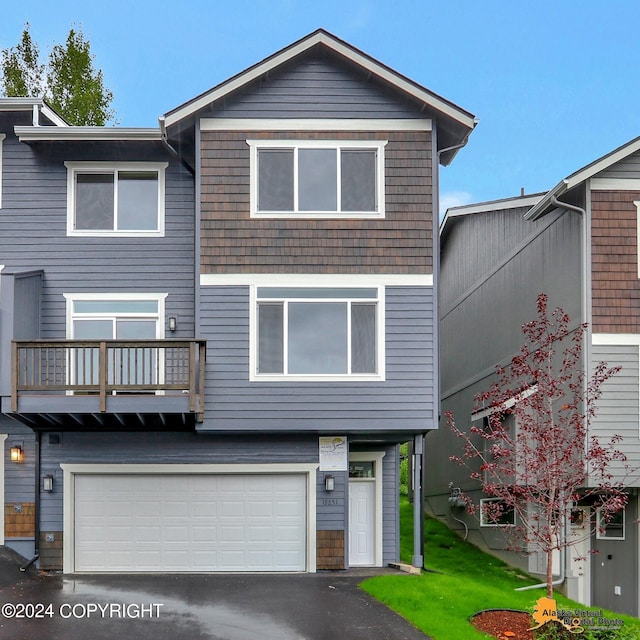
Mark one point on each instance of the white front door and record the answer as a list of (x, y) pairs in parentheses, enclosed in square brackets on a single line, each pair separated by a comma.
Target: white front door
[(580, 552), (362, 522)]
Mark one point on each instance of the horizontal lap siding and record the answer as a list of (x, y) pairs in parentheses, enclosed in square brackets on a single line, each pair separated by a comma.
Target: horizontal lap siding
[(233, 242), (33, 232), (161, 448), (618, 408), (404, 401), (317, 88)]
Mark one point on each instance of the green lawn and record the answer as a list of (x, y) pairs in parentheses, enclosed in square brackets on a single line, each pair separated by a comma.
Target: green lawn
[(464, 581)]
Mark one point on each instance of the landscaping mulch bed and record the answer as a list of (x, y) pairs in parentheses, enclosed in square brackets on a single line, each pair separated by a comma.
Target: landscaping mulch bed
[(512, 625)]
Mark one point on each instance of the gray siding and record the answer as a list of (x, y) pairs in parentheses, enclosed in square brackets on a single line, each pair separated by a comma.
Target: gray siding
[(19, 479), (317, 88), (481, 324), (618, 409), (33, 231), (404, 402), (391, 506), (161, 448), (627, 168)]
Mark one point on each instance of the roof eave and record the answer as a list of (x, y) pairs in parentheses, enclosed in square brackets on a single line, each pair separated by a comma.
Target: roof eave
[(464, 118), (52, 134)]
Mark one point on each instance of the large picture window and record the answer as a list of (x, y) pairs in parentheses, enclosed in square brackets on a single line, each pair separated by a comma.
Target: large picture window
[(322, 331), (125, 199), (317, 178)]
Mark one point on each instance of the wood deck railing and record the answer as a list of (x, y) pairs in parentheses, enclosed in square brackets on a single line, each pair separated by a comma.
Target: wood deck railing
[(109, 367)]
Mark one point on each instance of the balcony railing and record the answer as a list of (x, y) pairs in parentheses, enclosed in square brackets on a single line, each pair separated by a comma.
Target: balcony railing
[(109, 367)]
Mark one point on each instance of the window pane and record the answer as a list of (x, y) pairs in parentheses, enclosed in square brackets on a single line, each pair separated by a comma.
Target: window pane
[(270, 338), (275, 180), (316, 292), (363, 338), (137, 200), (317, 180), (358, 180), (317, 339), (134, 366), (94, 201), (135, 329), (92, 329)]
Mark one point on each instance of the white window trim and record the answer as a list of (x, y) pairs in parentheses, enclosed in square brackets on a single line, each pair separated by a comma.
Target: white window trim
[(116, 297), (73, 470), (73, 168), (255, 145), (602, 536), (254, 376), (493, 524)]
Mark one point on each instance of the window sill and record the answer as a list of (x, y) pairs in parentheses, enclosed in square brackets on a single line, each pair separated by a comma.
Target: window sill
[(285, 378)]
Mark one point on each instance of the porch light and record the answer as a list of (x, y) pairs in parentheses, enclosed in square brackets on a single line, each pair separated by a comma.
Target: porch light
[(17, 454), (47, 483), (173, 323), (329, 483)]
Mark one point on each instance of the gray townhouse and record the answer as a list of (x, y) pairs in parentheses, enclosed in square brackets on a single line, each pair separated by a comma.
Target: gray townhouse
[(215, 333), (579, 244)]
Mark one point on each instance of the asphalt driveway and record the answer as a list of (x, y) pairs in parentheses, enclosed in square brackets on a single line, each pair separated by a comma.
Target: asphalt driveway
[(324, 606)]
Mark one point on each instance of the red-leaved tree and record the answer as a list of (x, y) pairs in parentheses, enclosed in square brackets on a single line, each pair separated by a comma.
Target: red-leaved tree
[(545, 460)]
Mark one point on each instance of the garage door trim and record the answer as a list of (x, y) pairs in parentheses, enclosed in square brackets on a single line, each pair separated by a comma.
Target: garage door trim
[(73, 470)]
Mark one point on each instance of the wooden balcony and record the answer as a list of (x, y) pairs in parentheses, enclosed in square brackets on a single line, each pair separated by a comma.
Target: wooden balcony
[(128, 384)]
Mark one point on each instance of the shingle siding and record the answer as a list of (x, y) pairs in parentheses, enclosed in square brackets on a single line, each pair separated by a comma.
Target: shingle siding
[(232, 242), (614, 251)]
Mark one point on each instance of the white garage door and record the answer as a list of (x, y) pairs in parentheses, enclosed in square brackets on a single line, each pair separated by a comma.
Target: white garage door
[(190, 522)]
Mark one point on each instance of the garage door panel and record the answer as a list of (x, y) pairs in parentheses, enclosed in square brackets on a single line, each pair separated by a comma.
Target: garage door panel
[(190, 523)]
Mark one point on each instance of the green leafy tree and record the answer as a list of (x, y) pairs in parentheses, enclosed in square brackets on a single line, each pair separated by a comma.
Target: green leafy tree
[(69, 82), (22, 71)]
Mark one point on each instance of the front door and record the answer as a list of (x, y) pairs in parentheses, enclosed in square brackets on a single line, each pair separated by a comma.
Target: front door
[(362, 520), (614, 564)]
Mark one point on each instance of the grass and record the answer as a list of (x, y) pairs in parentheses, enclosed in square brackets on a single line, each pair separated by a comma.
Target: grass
[(464, 581)]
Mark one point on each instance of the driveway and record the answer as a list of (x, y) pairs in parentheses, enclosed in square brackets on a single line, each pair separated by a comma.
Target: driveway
[(322, 606)]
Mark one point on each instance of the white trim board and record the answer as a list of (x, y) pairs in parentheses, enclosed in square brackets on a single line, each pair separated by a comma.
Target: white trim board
[(316, 279), (615, 184), (2, 137), (71, 470), (3, 437), (622, 339), (315, 124)]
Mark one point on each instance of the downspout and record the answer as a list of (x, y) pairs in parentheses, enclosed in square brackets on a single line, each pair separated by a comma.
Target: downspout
[(36, 533), (586, 350), (171, 149), (418, 457)]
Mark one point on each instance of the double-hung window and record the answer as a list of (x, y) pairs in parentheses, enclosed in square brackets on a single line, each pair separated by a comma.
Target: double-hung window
[(317, 178), (123, 199), (318, 332)]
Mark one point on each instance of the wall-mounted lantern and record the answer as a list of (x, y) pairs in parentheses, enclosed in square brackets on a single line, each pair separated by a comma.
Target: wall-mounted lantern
[(47, 483), (329, 483), (17, 454)]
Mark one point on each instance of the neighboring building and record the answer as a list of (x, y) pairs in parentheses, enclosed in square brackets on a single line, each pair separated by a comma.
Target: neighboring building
[(578, 243), (220, 330)]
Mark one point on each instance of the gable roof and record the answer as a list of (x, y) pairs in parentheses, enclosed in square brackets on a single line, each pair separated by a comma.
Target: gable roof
[(547, 203), (37, 105), (463, 121)]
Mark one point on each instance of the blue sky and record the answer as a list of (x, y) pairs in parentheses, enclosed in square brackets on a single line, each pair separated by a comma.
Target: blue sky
[(554, 84)]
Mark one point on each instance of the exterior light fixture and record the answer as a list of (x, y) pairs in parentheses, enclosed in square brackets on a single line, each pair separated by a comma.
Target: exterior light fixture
[(47, 483), (17, 454), (173, 323), (329, 483)]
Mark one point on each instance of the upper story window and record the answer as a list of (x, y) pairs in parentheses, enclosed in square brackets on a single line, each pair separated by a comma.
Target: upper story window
[(124, 199), (318, 333), (317, 178)]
